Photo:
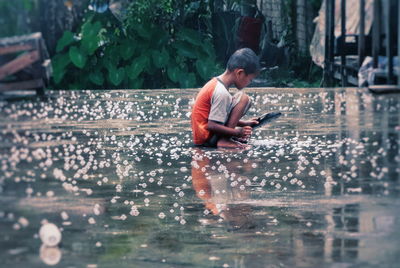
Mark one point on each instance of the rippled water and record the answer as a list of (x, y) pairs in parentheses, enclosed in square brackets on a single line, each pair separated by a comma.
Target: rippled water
[(117, 173)]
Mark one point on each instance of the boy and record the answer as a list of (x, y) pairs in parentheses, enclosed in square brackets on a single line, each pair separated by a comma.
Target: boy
[(216, 113)]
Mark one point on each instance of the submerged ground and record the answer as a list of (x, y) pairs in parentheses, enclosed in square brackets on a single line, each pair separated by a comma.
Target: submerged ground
[(117, 173)]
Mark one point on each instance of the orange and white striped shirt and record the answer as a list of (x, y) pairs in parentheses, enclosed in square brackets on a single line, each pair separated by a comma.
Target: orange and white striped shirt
[(213, 102)]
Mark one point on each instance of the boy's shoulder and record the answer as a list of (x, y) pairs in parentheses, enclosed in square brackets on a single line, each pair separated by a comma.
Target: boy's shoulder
[(214, 87), (208, 88), (211, 83), (221, 90)]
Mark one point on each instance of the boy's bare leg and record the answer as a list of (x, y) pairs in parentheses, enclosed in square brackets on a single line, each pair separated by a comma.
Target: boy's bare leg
[(234, 117)]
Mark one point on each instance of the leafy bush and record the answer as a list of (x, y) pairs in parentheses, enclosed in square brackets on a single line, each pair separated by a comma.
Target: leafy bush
[(156, 45)]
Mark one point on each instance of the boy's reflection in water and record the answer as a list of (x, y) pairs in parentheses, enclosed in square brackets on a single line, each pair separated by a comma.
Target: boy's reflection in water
[(220, 183)]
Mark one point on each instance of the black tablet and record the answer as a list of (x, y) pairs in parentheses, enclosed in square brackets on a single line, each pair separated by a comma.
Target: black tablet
[(267, 118)]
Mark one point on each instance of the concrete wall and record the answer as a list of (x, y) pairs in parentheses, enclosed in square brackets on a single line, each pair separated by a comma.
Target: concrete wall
[(273, 11), (303, 26), (302, 34)]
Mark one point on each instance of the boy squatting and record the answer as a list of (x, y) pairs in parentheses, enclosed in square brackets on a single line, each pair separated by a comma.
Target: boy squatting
[(216, 113)]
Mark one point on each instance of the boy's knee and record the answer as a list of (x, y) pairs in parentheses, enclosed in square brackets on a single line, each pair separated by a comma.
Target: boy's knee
[(241, 102), (245, 102), (241, 98), (245, 99)]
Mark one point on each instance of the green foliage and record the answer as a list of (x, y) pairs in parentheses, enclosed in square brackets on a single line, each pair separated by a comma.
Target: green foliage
[(77, 56), (65, 40), (155, 46)]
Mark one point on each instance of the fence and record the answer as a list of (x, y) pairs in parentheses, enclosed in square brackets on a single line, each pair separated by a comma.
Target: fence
[(343, 59)]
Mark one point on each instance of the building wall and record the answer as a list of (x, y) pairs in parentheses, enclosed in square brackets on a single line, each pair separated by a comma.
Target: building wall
[(273, 10), (276, 12), (302, 35)]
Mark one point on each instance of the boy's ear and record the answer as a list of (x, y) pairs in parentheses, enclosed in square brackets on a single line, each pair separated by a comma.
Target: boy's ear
[(239, 71)]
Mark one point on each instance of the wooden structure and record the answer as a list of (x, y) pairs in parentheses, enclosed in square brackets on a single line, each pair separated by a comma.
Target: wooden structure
[(343, 60), (24, 63)]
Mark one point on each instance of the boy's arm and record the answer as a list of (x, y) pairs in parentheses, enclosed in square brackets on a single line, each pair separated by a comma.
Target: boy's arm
[(220, 129)]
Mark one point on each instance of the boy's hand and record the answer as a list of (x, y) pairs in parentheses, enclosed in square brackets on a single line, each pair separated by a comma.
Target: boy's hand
[(253, 122), (245, 132)]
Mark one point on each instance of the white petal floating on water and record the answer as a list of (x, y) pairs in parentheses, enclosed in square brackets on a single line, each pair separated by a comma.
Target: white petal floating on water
[(64, 215), (23, 222), (50, 234)]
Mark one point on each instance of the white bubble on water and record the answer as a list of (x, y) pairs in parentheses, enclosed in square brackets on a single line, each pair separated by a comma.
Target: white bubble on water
[(97, 209), (23, 222), (50, 234), (64, 215), (134, 212), (29, 191), (183, 169)]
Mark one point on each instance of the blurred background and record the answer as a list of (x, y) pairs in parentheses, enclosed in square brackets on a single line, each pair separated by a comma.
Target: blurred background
[(106, 44), (192, 37)]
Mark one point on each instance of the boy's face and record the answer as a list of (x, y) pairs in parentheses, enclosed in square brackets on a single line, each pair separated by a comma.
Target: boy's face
[(242, 79)]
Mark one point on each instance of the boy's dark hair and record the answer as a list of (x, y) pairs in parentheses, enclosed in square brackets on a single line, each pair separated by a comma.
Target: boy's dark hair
[(245, 59)]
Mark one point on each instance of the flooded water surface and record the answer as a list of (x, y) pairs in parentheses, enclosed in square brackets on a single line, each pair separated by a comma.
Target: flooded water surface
[(111, 179)]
